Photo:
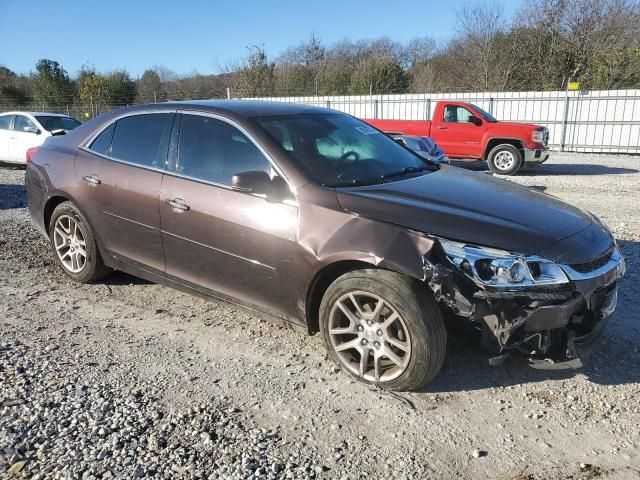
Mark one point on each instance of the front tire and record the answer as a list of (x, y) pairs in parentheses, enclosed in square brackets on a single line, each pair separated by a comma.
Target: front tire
[(74, 246), (504, 159), (383, 328)]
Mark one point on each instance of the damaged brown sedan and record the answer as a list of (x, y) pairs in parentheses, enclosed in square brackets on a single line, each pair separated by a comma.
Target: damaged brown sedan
[(315, 218)]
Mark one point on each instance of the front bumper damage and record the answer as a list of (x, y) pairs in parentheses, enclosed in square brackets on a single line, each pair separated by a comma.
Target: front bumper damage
[(554, 326)]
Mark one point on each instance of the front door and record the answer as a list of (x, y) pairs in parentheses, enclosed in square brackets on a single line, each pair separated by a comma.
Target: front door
[(25, 135), (229, 242), (456, 135), (119, 176)]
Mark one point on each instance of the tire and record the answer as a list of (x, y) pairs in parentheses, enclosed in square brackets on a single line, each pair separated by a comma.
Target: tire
[(504, 159), (61, 230), (423, 348)]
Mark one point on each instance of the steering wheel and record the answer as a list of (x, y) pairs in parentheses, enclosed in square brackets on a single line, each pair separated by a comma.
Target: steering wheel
[(350, 153)]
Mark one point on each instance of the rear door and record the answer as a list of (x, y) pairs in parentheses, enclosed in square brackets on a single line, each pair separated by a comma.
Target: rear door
[(229, 242), (5, 134), (455, 134), (25, 135), (119, 175)]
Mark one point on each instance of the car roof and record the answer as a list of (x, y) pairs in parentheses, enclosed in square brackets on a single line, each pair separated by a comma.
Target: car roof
[(48, 114), (249, 108)]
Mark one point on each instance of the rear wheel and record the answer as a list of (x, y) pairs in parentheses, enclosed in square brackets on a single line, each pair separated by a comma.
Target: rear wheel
[(504, 159), (383, 328), (74, 245)]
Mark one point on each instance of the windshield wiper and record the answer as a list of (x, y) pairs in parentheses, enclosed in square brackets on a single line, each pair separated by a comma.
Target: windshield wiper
[(407, 170)]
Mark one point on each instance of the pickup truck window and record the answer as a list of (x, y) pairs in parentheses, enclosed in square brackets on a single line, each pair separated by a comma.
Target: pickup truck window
[(486, 115), (456, 114)]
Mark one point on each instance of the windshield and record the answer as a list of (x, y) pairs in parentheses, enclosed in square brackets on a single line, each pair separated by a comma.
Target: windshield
[(51, 123), (486, 115), (339, 150)]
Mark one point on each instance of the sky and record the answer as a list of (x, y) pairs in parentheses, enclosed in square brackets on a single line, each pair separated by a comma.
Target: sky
[(186, 35)]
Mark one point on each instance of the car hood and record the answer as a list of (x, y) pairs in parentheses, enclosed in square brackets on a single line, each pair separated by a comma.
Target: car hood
[(477, 208)]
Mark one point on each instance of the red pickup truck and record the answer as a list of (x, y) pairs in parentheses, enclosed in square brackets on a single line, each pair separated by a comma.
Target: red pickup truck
[(464, 130)]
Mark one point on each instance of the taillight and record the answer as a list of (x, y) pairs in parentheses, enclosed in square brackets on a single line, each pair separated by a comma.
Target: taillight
[(30, 153)]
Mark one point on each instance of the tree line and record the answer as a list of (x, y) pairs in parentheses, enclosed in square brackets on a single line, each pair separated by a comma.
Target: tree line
[(543, 46)]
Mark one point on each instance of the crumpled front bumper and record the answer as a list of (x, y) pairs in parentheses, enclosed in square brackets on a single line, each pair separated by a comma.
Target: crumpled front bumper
[(571, 328)]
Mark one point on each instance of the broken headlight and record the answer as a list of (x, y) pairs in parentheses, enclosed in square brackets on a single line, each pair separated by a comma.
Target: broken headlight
[(499, 268)]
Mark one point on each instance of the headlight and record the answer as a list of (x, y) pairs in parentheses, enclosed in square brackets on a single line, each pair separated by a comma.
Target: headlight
[(499, 268), (537, 136)]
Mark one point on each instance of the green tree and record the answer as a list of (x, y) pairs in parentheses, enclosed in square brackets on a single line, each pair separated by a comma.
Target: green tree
[(256, 77), (12, 90), (149, 88), (51, 84), (379, 75)]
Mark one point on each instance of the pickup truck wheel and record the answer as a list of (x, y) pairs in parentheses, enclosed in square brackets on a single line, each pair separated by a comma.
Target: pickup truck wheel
[(504, 159), (383, 328), (74, 245)]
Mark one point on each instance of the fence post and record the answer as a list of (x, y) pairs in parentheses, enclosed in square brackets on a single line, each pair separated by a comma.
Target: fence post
[(428, 112), (490, 105), (228, 93), (565, 118), (375, 109), (328, 103)]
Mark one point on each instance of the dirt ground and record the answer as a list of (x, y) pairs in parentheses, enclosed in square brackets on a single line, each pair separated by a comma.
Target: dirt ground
[(128, 379)]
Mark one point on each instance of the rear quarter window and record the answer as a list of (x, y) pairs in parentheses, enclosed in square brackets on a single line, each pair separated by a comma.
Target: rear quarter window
[(102, 143)]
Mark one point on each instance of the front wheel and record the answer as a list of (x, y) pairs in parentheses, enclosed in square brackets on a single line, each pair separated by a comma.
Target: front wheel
[(504, 159), (383, 328)]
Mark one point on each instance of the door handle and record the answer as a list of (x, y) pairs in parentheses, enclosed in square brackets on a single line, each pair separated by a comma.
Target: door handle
[(92, 180), (441, 127), (178, 205)]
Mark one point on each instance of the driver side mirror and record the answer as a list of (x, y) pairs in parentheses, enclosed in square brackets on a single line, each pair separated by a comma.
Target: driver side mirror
[(32, 129), (259, 182), (474, 120)]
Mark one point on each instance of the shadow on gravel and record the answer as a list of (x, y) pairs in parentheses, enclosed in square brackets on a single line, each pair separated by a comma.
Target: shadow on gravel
[(551, 169), (614, 358), (12, 196), (119, 278)]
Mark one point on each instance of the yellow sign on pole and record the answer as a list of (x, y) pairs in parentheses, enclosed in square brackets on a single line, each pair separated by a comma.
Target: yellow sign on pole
[(573, 86)]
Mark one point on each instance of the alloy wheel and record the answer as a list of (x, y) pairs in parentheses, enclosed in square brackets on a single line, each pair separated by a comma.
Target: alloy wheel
[(69, 243), (369, 336)]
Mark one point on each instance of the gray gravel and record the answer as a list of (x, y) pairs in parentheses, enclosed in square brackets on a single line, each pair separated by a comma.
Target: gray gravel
[(128, 379)]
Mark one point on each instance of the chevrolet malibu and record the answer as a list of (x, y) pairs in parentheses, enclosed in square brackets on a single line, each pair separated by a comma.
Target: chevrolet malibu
[(312, 217)]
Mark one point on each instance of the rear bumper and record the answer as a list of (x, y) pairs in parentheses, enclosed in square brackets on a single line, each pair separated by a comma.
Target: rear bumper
[(536, 155)]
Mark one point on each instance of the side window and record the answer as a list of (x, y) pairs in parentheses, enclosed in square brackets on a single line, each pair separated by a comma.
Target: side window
[(456, 114), (23, 124), (142, 139), (5, 122), (214, 151), (102, 143)]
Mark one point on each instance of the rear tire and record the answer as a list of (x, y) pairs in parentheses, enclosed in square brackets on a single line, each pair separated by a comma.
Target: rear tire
[(504, 159), (74, 246), (402, 352)]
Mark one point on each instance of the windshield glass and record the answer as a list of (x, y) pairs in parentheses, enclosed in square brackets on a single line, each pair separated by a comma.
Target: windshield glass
[(57, 123), (339, 150), (486, 115)]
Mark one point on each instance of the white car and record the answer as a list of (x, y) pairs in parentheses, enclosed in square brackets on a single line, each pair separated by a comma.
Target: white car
[(20, 131)]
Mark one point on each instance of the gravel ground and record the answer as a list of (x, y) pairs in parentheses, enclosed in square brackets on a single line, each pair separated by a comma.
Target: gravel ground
[(127, 379)]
